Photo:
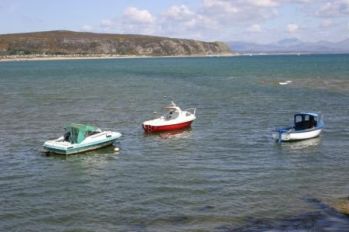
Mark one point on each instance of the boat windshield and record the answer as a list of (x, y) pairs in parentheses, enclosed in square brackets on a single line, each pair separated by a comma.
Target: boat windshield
[(172, 114)]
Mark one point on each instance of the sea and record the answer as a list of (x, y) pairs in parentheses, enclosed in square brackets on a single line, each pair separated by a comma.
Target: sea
[(224, 174)]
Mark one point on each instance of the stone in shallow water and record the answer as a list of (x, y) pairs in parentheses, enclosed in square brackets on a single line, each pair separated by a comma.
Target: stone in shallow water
[(342, 205), (328, 217)]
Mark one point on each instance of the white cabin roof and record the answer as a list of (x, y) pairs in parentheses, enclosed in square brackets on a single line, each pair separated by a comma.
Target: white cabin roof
[(308, 113)]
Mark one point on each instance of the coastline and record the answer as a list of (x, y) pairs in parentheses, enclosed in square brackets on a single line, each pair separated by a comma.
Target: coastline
[(95, 57), (19, 58)]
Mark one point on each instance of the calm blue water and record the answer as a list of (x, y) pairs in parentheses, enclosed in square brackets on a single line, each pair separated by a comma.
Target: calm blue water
[(224, 174)]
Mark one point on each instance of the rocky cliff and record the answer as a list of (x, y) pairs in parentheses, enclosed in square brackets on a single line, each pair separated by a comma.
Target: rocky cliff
[(83, 43)]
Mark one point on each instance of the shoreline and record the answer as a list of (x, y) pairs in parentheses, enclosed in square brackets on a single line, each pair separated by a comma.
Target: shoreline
[(18, 58), (97, 57)]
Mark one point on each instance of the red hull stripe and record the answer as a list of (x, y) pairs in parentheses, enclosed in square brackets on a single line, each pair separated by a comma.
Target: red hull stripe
[(178, 126)]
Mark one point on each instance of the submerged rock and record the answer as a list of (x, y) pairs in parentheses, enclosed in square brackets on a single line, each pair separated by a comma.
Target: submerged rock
[(326, 217), (342, 205)]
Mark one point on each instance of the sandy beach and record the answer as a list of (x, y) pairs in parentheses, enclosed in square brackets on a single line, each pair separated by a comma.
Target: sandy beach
[(70, 57)]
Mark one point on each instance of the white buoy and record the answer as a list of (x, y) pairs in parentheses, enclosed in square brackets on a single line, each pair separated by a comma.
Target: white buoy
[(116, 149)]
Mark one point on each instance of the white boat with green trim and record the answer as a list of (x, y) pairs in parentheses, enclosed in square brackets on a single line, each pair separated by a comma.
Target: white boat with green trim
[(80, 138)]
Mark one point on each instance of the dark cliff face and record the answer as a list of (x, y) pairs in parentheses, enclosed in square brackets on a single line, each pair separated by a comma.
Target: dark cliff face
[(82, 43)]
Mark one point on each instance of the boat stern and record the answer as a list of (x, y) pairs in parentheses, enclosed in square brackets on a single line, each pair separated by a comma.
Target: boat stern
[(281, 134), (57, 146)]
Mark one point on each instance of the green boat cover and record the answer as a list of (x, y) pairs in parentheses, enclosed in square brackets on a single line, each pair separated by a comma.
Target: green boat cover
[(76, 133)]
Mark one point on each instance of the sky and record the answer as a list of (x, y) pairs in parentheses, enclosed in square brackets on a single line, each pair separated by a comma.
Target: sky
[(259, 21)]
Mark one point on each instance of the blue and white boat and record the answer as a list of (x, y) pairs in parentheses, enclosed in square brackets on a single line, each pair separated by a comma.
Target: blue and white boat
[(307, 125), (80, 138)]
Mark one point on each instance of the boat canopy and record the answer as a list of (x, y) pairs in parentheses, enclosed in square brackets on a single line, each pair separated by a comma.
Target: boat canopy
[(307, 113), (305, 120), (76, 133)]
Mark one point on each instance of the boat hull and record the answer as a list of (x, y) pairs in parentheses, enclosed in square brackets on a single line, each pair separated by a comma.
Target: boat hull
[(75, 150), (171, 127), (64, 148), (289, 136)]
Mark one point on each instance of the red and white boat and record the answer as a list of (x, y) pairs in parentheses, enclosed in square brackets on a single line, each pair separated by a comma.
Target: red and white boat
[(173, 119)]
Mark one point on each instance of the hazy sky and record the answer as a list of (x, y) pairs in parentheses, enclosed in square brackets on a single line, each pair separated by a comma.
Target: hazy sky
[(227, 20)]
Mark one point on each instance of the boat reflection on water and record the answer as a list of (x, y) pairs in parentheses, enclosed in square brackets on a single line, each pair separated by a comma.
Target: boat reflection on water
[(175, 134), (303, 144)]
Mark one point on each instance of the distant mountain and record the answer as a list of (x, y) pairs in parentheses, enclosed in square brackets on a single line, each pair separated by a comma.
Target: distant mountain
[(291, 45), (89, 44), (289, 42)]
